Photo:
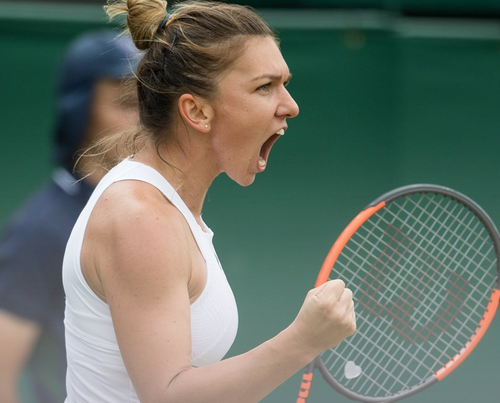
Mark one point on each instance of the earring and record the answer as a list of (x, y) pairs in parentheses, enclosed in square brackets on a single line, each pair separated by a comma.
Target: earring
[(206, 126)]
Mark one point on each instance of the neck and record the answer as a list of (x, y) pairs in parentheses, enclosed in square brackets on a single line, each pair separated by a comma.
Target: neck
[(185, 168)]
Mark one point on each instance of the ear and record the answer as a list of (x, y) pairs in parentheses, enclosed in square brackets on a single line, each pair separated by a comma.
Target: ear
[(195, 112)]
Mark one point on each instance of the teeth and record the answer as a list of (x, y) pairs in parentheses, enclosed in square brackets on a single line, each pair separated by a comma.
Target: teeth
[(262, 162), (281, 132)]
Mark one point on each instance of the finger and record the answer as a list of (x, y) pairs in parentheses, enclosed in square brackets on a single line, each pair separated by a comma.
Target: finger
[(333, 288), (347, 295)]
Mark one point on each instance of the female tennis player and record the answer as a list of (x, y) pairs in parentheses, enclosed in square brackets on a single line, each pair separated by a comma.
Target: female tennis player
[(149, 313)]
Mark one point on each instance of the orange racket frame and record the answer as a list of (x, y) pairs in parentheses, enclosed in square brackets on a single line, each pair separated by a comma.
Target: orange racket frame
[(337, 248)]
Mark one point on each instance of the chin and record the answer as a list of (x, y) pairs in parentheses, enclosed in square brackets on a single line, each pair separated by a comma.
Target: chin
[(246, 181)]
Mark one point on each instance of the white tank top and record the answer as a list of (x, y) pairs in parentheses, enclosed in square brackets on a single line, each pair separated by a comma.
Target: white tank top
[(96, 372)]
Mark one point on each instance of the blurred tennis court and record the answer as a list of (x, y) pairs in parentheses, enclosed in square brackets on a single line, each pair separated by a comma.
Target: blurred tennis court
[(387, 98)]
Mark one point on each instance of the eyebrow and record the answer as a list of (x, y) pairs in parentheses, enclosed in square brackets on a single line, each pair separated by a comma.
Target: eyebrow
[(272, 77)]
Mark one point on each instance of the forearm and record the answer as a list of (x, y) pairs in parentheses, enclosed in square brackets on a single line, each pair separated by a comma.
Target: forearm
[(244, 378), (324, 320)]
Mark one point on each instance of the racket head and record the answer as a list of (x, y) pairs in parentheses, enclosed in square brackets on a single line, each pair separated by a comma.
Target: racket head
[(422, 262)]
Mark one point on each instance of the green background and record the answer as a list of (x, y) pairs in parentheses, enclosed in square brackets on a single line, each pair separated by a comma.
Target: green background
[(386, 100)]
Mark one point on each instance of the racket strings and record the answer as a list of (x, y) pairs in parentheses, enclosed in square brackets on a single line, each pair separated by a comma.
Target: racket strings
[(450, 231), (415, 268), (374, 247), (381, 349), (472, 252)]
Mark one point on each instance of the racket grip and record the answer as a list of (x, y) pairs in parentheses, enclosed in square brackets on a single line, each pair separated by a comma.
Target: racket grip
[(305, 387)]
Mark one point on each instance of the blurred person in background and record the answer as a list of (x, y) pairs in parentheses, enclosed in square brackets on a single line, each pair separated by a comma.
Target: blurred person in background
[(93, 100)]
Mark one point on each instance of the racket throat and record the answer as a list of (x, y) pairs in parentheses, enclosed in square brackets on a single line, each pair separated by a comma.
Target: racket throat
[(305, 385)]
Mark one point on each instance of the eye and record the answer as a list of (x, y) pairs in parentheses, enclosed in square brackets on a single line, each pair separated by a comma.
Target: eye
[(265, 87)]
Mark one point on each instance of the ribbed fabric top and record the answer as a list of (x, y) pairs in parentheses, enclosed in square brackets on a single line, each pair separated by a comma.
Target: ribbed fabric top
[(96, 371)]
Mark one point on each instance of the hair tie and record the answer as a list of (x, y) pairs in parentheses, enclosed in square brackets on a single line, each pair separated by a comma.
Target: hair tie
[(160, 27)]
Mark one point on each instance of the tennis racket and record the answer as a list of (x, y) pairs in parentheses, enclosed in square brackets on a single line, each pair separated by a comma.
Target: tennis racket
[(422, 262)]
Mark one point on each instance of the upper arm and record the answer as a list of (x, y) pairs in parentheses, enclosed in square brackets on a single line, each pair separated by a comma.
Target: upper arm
[(144, 265)]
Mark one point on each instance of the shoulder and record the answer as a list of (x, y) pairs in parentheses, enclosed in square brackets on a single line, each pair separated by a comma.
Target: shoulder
[(138, 234), (136, 205)]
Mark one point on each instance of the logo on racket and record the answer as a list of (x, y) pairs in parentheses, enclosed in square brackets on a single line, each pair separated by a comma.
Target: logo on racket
[(387, 293)]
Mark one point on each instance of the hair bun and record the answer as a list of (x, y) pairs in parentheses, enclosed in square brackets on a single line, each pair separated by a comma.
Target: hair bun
[(143, 18)]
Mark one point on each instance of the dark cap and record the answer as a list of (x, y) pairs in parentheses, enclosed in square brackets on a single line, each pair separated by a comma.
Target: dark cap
[(91, 57)]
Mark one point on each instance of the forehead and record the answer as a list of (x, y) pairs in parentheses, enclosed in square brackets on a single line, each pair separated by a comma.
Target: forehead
[(261, 57)]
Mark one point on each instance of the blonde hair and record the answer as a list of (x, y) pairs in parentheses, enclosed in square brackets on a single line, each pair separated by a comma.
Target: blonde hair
[(188, 54)]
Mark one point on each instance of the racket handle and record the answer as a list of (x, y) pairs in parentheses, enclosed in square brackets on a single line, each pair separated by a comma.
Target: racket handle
[(305, 386)]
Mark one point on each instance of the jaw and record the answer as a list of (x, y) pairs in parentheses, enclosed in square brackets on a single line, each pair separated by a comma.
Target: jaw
[(257, 163)]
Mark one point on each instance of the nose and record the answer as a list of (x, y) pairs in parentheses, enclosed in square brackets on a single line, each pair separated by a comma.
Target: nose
[(287, 108)]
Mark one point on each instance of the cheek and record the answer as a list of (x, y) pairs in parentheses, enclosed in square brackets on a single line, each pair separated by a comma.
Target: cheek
[(239, 121), (234, 107)]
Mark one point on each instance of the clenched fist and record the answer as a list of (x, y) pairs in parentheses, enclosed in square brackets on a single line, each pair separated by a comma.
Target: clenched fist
[(326, 318)]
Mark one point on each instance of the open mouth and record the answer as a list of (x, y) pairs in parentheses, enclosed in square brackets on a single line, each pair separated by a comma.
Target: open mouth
[(266, 148)]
